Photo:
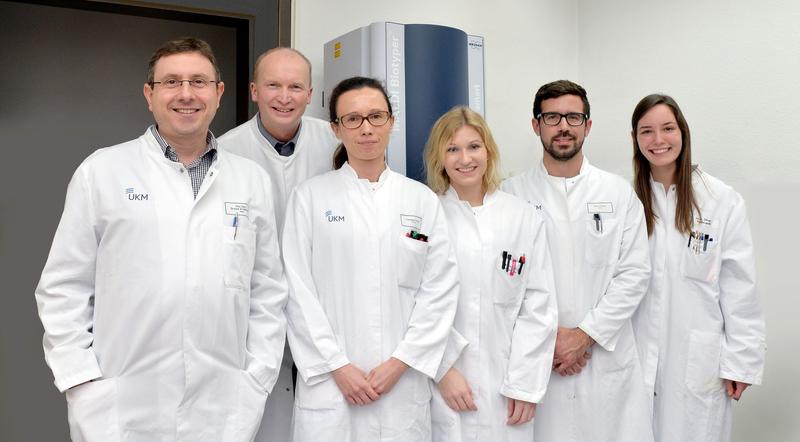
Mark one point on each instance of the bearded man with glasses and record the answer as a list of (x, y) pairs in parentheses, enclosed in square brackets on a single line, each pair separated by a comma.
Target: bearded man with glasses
[(601, 265), (162, 298)]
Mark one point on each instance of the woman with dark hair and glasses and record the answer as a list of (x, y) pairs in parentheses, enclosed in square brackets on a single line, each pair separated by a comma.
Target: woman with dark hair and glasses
[(373, 285), (700, 329)]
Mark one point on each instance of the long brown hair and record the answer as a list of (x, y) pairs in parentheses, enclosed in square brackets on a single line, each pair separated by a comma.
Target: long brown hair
[(686, 204)]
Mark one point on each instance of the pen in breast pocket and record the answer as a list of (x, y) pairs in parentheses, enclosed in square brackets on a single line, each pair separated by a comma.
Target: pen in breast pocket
[(598, 222), (235, 225)]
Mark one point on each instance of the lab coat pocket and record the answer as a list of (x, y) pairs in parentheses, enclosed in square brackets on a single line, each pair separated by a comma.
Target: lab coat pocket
[(320, 412), (239, 251), (507, 288), (705, 390), (700, 265), (702, 363), (602, 244), (411, 254), (252, 398), (92, 411)]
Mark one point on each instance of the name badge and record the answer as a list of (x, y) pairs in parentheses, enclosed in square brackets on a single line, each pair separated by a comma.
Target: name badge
[(236, 209), (601, 207), (703, 220), (411, 221)]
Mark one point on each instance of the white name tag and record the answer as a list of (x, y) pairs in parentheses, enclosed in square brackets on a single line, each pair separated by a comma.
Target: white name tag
[(238, 209), (411, 221), (705, 221), (600, 207)]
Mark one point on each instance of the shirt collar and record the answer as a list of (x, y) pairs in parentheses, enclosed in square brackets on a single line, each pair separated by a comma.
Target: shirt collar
[(272, 140), (169, 151)]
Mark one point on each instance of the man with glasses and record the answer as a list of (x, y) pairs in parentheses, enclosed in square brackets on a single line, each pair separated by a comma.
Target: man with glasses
[(601, 264), (162, 298), (291, 148)]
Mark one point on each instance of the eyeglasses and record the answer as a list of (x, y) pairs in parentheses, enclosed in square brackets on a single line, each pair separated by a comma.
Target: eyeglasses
[(554, 118), (174, 83), (355, 120)]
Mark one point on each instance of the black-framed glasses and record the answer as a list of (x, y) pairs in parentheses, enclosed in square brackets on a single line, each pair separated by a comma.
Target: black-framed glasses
[(554, 118), (174, 83), (355, 120)]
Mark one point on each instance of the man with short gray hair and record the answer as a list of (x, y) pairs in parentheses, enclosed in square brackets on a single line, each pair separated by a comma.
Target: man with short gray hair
[(291, 147)]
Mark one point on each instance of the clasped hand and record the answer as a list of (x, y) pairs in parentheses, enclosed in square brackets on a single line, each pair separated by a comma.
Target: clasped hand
[(360, 388), (571, 352)]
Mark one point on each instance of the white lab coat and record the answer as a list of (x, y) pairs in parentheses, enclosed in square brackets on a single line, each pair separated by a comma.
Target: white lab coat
[(701, 320), (313, 155), (178, 314), (509, 321), (362, 292), (601, 272)]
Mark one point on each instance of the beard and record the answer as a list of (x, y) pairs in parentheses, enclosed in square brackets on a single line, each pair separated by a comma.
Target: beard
[(562, 154)]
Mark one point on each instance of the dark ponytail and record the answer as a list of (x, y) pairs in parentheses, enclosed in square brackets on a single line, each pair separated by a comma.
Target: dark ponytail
[(339, 156)]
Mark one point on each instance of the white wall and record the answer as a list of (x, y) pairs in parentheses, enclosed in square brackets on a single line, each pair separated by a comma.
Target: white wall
[(732, 66), (508, 27)]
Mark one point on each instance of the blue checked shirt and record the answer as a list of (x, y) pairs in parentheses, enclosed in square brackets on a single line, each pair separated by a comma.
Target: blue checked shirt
[(198, 168)]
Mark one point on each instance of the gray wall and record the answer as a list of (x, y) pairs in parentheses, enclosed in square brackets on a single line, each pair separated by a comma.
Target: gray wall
[(72, 82)]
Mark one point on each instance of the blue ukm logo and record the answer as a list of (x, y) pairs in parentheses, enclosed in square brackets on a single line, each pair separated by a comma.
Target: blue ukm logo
[(133, 196), (333, 218)]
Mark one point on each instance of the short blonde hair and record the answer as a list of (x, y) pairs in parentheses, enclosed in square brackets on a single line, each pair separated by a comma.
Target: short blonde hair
[(442, 133)]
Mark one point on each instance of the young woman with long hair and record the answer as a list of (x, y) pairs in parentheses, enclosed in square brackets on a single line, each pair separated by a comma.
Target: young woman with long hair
[(699, 329)]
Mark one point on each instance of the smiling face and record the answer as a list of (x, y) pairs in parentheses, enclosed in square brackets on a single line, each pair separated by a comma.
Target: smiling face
[(658, 137), (183, 113), (562, 142), (465, 159), (365, 145), (282, 90)]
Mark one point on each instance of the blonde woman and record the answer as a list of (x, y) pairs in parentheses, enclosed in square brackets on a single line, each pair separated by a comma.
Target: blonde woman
[(506, 309)]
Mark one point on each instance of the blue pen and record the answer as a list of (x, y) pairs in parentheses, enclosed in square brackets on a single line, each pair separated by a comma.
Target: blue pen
[(235, 225)]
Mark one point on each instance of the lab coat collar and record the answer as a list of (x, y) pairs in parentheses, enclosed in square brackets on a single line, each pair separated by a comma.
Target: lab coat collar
[(452, 195), (658, 187), (698, 180), (585, 168), (565, 184), (348, 170)]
